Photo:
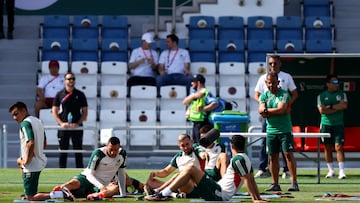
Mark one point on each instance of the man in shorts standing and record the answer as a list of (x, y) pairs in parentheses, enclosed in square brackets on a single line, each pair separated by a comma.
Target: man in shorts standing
[(331, 105), (273, 106)]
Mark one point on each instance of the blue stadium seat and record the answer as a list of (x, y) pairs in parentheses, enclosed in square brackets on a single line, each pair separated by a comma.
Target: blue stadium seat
[(115, 27), (227, 53), (81, 29), (85, 49), (202, 27), (319, 46), (202, 50), (114, 49), (135, 43), (316, 8), (290, 46), (260, 27), (257, 50), (49, 52), (289, 27), (55, 26), (318, 28), (231, 27)]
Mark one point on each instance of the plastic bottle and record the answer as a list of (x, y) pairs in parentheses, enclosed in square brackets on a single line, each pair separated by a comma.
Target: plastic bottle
[(69, 117)]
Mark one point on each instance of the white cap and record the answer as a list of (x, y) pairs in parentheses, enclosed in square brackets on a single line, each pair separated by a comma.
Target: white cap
[(114, 45), (55, 44), (202, 23), (85, 20), (231, 45), (147, 37)]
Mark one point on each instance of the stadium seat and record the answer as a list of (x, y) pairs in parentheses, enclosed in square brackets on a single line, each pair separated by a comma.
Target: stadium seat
[(114, 67), (311, 144), (86, 27), (231, 57), (111, 118), (114, 27), (231, 27), (289, 28), (202, 27), (143, 92), (84, 55), (143, 139), (173, 92), (298, 141), (54, 48), (290, 46), (45, 115), (114, 49), (168, 137), (318, 28), (318, 46), (202, 50), (260, 27), (55, 26), (232, 87), (351, 143), (88, 83), (316, 8), (135, 43), (113, 91), (91, 126), (257, 50)]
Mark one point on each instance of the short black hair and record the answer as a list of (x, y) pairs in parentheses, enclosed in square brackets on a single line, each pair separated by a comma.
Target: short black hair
[(238, 142), (277, 57), (272, 74), (329, 76), (173, 38), (206, 128), (114, 140), (19, 105)]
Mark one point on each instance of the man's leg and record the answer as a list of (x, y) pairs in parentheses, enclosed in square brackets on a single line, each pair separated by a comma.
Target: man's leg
[(77, 140), (64, 140), (291, 162), (329, 160), (274, 168), (285, 166), (341, 159)]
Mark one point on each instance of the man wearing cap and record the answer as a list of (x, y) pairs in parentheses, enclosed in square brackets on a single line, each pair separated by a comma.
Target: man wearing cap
[(48, 86), (10, 10), (201, 102), (174, 65), (143, 63)]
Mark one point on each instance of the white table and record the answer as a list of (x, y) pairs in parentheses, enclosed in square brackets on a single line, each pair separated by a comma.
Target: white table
[(304, 135)]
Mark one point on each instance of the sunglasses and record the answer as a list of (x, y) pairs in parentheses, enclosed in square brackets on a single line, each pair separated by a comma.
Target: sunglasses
[(335, 82), (69, 78), (272, 63)]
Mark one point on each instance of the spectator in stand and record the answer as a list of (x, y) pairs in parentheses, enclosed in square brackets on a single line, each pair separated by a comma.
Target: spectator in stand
[(70, 110), (10, 10), (174, 65), (48, 86), (143, 63), (331, 105)]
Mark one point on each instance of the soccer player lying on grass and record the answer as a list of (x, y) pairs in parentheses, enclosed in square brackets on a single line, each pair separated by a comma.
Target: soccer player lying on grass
[(216, 157), (239, 170), (188, 156)]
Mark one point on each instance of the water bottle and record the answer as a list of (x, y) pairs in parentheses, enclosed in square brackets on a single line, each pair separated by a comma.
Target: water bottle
[(69, 117)]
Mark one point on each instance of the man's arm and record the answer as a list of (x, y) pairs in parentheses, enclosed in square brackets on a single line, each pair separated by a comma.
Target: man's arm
[(252, 188), (163, 172), (122, 181), (187, 69)]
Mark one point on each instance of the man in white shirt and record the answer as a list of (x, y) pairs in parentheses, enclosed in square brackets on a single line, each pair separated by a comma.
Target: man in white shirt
[(143, 63), (174, 65), (48, 86)]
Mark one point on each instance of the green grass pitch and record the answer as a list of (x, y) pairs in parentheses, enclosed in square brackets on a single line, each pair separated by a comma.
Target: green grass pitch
[(11, 184)]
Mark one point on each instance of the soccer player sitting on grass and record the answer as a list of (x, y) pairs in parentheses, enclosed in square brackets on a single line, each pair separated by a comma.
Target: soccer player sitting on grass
[(217, 159), (239, 170)]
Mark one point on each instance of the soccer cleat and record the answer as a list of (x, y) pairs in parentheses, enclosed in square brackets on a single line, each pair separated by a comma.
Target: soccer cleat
[(330, 174), (262, 174), (67, 194), (293, 187), (157, 197), (342, 175), (285, 175), (95, 196), (148, 190), (273, 187), (181, 195)]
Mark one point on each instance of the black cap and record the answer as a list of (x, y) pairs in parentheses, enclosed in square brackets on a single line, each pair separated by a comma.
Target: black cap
[(199, 77)]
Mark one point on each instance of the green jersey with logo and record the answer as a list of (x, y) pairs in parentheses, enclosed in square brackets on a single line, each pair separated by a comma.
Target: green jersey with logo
[(327, 98)]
